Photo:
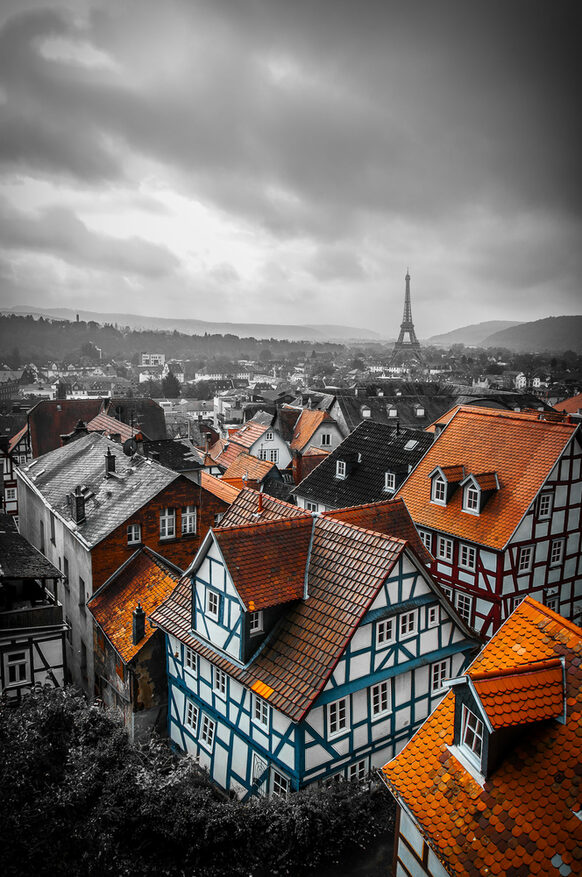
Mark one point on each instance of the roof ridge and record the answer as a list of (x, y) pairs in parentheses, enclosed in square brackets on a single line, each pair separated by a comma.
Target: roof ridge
[(262, 523), (384, 537), (554, 616), (517, 670), (364, 505)]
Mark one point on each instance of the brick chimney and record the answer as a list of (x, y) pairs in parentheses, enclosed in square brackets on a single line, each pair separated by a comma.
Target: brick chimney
[(78, 506), (138, 624), (109, 463)]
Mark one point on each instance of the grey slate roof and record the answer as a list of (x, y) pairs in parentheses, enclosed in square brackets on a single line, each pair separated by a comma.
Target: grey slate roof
[(180, 455), (109, 500), (18, 558), (372, 449)]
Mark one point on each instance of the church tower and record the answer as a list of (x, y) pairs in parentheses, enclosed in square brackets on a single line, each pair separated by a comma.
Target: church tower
[(407, 349)]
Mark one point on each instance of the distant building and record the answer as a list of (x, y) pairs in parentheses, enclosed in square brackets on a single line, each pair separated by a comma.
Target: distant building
[(152, 359)]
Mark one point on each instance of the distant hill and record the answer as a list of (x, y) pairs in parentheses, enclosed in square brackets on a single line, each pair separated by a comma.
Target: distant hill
[(473, 335), (199, 327), (552, 335)]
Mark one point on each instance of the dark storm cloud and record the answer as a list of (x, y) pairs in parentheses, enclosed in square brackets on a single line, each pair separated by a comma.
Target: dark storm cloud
[(58, 232)]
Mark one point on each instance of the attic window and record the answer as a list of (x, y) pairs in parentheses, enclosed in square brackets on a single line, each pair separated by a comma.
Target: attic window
[(389, 481), (365, 411), (269, 436), (472, 731), (392, 412), (439, 491), (471, 500), (410, 444), (419, 411), (340, 469)]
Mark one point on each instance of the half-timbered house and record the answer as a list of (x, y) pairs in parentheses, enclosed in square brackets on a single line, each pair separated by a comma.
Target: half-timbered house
[(303, 648), (497, 501)]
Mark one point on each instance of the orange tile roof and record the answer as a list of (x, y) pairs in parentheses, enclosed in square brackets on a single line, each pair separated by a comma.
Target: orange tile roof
[(148, 579), (314, 451), (107, 425), (521, 694), (248, 434), (522, 450), (347, 568), (246, 464), (16, 438), (246, 509), (390, 517), (573, 405), (267, 560), (306, 424), (216, 449), (219, 488), (522, 819), (486, 480)]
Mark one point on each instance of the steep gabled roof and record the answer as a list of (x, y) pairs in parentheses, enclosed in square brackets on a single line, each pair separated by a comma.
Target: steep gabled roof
[(49, 419), (148, 579), (520, 448), (381, 448), (109, 501), (525, 819), (347, 566), (109, 426), (16, 438), (248, 434), (573, 405), (220, 489), (247, 465), (245, 510), (306, 424), (266, 560)]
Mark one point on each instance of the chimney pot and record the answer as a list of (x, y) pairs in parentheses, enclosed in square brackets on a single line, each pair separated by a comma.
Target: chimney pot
[(138, 624), (78, 506), (109, 463)]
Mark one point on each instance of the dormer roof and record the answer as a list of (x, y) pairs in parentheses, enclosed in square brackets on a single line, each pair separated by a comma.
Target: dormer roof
[(453, 474), (482, 480), (521, 695)]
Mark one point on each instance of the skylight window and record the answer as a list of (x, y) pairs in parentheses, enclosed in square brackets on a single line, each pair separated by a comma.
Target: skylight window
[(410, 444)]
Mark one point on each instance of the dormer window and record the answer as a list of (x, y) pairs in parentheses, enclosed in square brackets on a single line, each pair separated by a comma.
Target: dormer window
[(256, 622), (419, 411), (439, 491), (365, 411), (389, 481), (478, 490), (340, 469), (392, 412), (471, 500), (472, 731)]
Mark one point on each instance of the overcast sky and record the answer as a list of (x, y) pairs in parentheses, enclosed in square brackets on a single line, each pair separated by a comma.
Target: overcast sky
[(287, 160)]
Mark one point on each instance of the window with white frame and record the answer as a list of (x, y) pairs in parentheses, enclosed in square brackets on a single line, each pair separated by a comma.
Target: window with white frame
[(261, 711), (357, 771), (468, 557), (433, 616), (426, 539), (553, 602), (219, 682), (167, 523), (340, 469), (419, 411), (325, 439), (213, 604), (471, 500), (472, 734), (556, 552), (545, 506), (16, 668), (439, 490), (188, 520), (281, 785), (256, 622), (389, 481), (393, 412), (269, 435), (10, 496), (464, 604), (407, 623), (448, 592), (133, 534), (514, 602), (311, 506), (380, 699), (190, 659), (385, 633), (192, 716), (524, 559), (207, 732), (263, 453), (438, 673), (444, 548), (337, 717)]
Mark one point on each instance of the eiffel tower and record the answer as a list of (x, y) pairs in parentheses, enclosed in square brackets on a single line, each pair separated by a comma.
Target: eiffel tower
[(406, 350)]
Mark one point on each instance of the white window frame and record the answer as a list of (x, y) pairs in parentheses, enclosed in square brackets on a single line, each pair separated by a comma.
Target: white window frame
[(389, 481), (408, 624), (439, 671), (433, 615), (168, 523), (256, 622), (524, 559), (273, 455), (269, 435), (553, 603), (191, 717), (311, 506), (17, 660), (340, 469), (213, 604), (464, 606), (393, 412), (515, 601), (219, 682), (472, 735), (420, 411), (134, 534), (10, 495), (337, 717), (190, 659), (448, 592), (546, 505), (207, 732), (189, 520), (261, 712), (444, 549), (380, 699), (438, 493), (467, 557), (556, 552), (281, 785), (385, 633), (325, 439), (471, 498), (426, 539)]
